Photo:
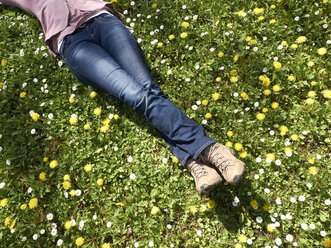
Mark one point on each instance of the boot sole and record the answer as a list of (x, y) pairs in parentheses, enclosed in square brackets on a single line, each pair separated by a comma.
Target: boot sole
[(206, 188)]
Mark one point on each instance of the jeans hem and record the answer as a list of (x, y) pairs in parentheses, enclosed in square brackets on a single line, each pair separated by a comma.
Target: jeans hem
[(197, 153), (183, 162)]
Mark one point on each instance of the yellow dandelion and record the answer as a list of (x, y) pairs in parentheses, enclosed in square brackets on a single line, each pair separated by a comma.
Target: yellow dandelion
[(294, 137), (288, 149), (73, 121), (79, 241), (273, 6), (272, 21), (35, 116), (242, 238), (243, 154), (321, 51), (45, 159), (53, 164), (254, 204), (3, 62), (159, 44), (220, 54), (42, 176), (270, 156), (193, 209), (3, 202), (291, 78), (265, 110), (33, 203), (155, 210), (267, 92), (66, 185), (313, 170), (104, 128), (93, 94), (88, 167), (238, 246), (266, 207), (203, 207), (215, 96), (7, 221), (309, 101), (175, 160), (154, 5), (277, 64), (236, 57), (185, 24), (266, 82), (276, 88), (301, 39), (229, 133), (87, 126), (210, 204), (274, 105), (208, 115), (238, 147), (228, 144), (72, 192), (261, 18), (204, 102), (233, 72), (97, 111), (183, 35), (270, 228), (327, 242), (71, 99), (327, 94), (23, 206), (171, 37), (100, 181), (233, 79), (310, 63), (116, 117), (284, 43), (22, 94), (66, 177), (260, 116), (244, 95), (294, 46), (258, 10), (68, 225), (105, 245)]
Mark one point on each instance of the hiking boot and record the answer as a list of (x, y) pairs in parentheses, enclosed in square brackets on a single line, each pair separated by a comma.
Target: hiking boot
[(222, 158), (206, 178)]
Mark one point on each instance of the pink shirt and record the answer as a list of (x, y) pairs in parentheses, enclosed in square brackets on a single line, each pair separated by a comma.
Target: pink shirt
[(61, 17)]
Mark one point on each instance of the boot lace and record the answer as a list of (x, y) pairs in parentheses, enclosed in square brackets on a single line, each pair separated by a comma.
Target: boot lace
[(196, 169)]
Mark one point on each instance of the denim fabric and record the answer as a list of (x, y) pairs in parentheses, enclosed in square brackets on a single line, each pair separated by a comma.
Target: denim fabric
[(103, 53)]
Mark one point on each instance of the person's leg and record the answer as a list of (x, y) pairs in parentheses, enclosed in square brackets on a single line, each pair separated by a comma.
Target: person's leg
[(87, 60)]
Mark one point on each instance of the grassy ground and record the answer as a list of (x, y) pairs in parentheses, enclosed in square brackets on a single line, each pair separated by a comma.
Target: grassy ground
[(255, 74)]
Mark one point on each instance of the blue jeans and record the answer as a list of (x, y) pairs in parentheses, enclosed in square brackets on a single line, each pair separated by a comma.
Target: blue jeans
[(103, 53)]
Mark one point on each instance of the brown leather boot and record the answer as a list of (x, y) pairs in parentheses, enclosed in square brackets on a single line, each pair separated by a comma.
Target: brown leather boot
[(206, 178), (222, 158)]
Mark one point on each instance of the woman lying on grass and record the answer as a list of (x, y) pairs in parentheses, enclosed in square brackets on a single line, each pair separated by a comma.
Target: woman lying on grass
[(101, 52)]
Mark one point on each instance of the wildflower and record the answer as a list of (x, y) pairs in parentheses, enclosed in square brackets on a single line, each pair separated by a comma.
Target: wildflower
[(208, 115), (311, 160), (193, 209), (204, 102), (327, 94), (53, 164), (310, 63), (88, 167), (254, 204), (175, 160), (159, 44), (229, 133), (294, 137), (211, 204), (35, 116), (270, 156), (274, 105), (244, 95), (104, 128), (171, 37), (185, 24), (116, 117), (258, 10), (73, 119), (220, 54), (105, 245), (97, 111), (155, 210), (183, 35), (66, 177), (154, 5), (87, 126), (301, 39), (266, 208), (93, 94), (233, 79), (267, 92), (203, 207), (218, 79), (276, 88), (266, 82), (242, 238), (271, 228), (100, 181), (260, 116), (272, 21), (79, 241), (66, 185), (68, 225), (3, 202), (327, 242), (321, 51), (33, 203), (277, 65), (238, 147), (215, 96), (22, 94), (42, 176), (313, 170), (291, 78), (228, 144), (71, 99), (236, 57), (283, 130)]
